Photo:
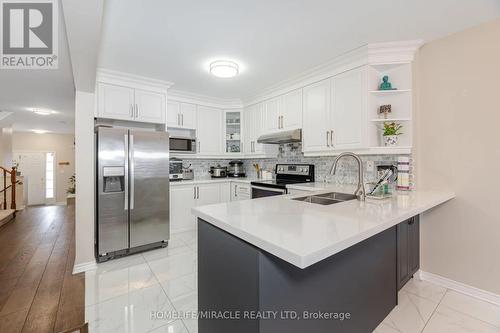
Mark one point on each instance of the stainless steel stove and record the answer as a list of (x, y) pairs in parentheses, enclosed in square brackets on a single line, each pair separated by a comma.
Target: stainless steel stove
[(286, 174)]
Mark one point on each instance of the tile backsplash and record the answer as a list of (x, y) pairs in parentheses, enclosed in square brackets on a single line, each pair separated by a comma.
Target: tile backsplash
[(347, 172)]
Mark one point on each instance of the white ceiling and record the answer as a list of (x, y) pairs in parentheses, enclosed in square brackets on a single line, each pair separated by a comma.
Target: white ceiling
[(275, 40), (21, 90)]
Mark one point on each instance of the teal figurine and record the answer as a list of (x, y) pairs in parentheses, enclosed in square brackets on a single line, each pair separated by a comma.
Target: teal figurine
[(386, 85)]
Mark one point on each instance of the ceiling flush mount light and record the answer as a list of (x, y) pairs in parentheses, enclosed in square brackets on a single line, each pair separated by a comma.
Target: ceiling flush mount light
[(224, 69), (39, 131), (42, 112)]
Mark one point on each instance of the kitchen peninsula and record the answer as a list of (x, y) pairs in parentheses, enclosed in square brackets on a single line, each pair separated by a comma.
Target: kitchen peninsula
[(280, 254)]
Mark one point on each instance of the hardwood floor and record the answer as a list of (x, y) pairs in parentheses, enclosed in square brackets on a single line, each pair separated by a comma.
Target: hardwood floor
[(38, 292)]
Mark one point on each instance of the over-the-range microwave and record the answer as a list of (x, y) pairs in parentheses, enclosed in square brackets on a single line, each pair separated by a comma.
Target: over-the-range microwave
[(186, 145)]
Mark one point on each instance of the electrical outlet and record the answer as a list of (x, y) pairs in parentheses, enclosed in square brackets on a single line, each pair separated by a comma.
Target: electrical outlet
[(370, 166)]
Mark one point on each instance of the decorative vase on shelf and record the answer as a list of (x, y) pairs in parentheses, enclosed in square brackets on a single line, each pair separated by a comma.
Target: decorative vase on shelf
[(391, 140)]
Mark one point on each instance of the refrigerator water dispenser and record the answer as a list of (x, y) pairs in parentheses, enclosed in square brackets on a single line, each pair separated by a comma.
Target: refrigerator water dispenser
[(114, 179)]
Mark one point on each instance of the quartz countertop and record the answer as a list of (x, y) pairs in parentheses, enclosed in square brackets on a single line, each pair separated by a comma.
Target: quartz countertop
[(317, 186), (303, 234), (212, 181)]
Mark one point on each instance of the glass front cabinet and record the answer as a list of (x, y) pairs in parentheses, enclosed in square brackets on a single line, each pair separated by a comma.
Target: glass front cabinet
[(233, 132)]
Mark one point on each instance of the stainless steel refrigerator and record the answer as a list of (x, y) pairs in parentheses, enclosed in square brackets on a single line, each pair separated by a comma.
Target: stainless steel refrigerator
[(132, 191)]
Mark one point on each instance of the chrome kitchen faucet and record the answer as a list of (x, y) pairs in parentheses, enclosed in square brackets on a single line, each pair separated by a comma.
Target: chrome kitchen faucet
[(360, 190)]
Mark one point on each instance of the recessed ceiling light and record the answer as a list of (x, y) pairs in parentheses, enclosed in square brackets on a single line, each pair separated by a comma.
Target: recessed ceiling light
[(39, 131), (42, 112), (224, 69)]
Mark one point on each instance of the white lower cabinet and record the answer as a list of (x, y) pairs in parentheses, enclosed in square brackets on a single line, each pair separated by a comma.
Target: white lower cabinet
[(225, 192), (184, 197), (240, 191), (208, 194)]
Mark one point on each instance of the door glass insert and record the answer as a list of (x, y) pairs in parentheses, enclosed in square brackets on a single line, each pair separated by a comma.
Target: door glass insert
[(233, 132), (49, 175)]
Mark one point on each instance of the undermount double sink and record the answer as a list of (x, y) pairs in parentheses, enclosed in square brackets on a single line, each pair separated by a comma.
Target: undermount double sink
[(327, 198)]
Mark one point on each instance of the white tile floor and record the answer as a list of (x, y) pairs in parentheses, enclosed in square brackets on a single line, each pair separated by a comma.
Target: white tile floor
[(120, 295)]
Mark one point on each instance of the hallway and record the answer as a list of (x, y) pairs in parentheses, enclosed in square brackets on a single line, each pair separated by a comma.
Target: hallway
[(38, 293)]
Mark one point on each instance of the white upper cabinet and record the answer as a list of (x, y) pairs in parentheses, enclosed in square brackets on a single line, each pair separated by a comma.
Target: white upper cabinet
[(233, 132), (209, 131), (124, 97), (181, 115), (348, 112), (272, 109), (253, 121), (150, 106), (248, 123), (173, 114), (188, 115), (115, 102), (334, 113), (316, 117), (291, 107), (258, 123), (283, 112)]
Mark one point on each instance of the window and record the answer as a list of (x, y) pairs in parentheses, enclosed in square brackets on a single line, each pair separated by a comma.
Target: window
[(49, 175)]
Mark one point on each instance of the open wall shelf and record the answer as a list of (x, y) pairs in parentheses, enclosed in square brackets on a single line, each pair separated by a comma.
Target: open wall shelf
[(400, 76)]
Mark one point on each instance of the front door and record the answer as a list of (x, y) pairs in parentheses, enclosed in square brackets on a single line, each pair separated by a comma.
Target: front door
[(32, 167)]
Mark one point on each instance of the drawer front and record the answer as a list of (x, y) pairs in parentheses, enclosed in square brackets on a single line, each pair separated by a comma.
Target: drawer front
[(244, 189)]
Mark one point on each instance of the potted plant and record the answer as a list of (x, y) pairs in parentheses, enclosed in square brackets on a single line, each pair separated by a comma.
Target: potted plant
[(391, 133), (72, 185)]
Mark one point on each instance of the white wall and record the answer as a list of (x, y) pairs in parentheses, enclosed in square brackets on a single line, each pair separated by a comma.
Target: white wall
[(84, 215), (63, 147), (458, 148), (6, 147)]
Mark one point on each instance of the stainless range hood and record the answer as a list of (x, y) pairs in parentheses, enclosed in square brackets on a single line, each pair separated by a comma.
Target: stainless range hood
[(281, 137)]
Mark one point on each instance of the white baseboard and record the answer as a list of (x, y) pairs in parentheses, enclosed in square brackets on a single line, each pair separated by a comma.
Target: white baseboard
[(459, 286), (83, 267)]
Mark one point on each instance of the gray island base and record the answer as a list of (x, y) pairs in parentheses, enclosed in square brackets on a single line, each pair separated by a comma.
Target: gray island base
[(244, 289)]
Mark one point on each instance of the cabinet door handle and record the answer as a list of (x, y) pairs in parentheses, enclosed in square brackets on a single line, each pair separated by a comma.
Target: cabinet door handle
[(194, 192), (235, 190), (327, 138), (198, 192), (182, 119), (199, 146), (331, 138), (282, 122), (136, 111), (131, 111)]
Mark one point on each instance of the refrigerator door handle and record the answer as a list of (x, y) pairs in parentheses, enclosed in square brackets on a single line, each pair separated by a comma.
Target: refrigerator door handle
[(125, 205), (132, 177)]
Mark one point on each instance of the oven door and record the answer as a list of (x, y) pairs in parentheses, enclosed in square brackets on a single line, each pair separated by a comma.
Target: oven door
[(262, 192), (182, 145)]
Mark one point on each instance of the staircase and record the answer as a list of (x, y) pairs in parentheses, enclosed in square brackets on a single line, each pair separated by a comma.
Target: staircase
[(8, 210)]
